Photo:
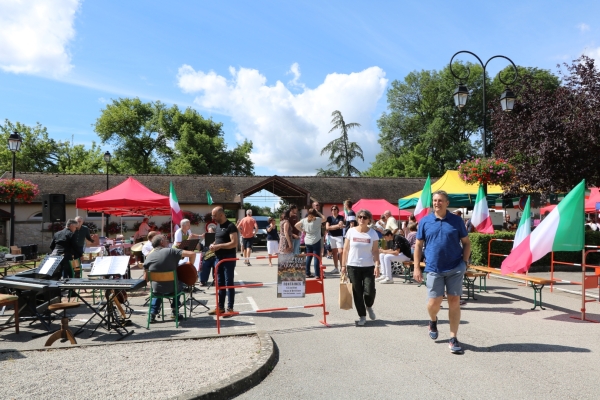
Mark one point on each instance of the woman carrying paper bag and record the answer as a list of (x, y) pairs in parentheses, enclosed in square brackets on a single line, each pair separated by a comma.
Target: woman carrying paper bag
[(361, 249)]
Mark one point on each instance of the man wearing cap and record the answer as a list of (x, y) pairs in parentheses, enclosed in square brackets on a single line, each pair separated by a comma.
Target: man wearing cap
[(398, 249)]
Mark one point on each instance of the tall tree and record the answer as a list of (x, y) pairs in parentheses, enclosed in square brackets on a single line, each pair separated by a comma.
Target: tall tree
[(552, 136), (341, 150), (199, 147), (424, 133), (136, 130), (40, 153)]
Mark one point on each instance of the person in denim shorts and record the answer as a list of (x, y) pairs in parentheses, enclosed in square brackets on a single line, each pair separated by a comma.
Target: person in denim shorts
[(444, 238)]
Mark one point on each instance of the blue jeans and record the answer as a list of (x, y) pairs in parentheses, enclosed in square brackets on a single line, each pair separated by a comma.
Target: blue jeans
[(225, 278), (156, 303), (314, 248), (205, 268), (296, 243)]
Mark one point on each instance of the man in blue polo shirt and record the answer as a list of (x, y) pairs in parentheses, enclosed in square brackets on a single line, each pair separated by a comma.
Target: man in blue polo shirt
[(447, 250)]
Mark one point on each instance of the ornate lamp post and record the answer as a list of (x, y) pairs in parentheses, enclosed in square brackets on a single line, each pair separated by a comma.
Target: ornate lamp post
[(461, 94), (14, 145)]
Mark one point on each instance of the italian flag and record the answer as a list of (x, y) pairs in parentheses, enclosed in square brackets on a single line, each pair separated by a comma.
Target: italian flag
[(481, 220), (524, 228), (176, 214), (424, 204), (561, 230)]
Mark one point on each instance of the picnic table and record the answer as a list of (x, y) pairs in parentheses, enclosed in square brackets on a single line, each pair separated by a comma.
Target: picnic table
[(11, 265)]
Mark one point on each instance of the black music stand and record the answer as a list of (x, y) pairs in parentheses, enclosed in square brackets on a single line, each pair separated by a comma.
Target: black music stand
[(189, 244)]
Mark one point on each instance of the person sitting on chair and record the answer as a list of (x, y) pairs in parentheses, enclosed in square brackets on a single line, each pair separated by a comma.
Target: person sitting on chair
[(147, 248), (398, 249), (143, 230), (163, 259)]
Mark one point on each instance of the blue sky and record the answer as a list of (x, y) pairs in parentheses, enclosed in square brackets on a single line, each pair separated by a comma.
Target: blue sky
[(270, 71)]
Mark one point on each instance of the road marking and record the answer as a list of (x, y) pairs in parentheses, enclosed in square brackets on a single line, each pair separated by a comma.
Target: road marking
[(252, 303)]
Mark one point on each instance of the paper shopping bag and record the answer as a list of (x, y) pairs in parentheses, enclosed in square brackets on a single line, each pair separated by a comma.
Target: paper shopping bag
[(345, 293)]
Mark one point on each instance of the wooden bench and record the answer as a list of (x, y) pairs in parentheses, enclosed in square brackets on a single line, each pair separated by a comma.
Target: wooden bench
[(536, 283), (469, 282), (404, 269)]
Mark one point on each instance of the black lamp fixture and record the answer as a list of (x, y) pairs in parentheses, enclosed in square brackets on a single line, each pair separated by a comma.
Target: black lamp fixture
[(461, 95), (14, 145), (107, 158), (507, 99)]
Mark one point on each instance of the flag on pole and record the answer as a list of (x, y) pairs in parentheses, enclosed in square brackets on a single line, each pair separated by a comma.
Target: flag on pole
[(208, 198), (424, 204), (481, 220), (561, 230), (176, 213), (524, 228)]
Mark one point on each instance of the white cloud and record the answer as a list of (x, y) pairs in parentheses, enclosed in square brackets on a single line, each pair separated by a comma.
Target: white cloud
[(289, 130), (583, 27), (295, 70), (593, 52), (34, 35)]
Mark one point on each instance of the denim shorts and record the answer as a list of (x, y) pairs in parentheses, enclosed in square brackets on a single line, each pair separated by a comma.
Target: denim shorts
[(451, 281)]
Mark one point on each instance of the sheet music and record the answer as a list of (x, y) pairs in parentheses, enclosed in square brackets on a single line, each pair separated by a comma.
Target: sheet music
[(112, 265), (92, 250), (48, 264)]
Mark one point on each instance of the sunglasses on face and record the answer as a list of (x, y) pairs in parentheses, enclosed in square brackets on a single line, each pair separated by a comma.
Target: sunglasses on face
[(362, 217), (334, 209)]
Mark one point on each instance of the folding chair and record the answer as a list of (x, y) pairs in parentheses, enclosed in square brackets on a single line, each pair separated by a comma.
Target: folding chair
[(170, 276)]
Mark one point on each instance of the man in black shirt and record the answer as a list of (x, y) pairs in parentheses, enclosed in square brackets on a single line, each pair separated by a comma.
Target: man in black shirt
[(83, 233), (398, 249), (64, 243), (226, 241)]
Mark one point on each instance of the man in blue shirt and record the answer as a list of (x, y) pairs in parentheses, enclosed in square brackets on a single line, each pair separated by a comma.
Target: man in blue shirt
[(447, 250)]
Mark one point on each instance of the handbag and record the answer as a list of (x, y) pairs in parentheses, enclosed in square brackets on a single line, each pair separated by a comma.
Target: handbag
[(345, 293)]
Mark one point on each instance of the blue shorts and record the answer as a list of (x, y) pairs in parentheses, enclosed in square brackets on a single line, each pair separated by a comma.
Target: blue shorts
[(247, 243), (449, 281)]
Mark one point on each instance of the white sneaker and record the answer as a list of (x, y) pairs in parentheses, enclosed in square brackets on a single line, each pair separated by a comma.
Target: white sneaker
[(361, 321), (380, 278), (335, 271), (386, 280), (371, 313)]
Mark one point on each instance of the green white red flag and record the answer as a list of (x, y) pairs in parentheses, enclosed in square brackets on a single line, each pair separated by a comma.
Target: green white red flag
[(176, 213), (561, 230), (481, 220), (524, 228), (424, 203)]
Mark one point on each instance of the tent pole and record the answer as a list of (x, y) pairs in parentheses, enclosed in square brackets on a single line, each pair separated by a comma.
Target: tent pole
[(102, 225), (121, 225)]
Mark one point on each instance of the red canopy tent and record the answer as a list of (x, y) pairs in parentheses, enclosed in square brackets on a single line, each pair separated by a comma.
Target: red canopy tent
[(128, 198), (379, 206), (590, 202)]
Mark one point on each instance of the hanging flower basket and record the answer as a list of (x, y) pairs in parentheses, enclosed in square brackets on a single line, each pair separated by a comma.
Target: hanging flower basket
[(18, 189), (194, 218), (494, 171)]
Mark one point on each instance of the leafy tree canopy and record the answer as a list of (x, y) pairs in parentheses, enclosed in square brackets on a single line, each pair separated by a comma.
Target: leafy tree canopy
[(40, 153), (552, 136), (424, 133)]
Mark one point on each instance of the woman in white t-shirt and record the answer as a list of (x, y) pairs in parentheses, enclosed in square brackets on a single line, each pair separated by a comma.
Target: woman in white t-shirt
[(361, 249)]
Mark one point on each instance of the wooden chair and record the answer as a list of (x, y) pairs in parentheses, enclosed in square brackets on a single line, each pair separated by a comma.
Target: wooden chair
[(7, 299), (63, 332), (170, 276)]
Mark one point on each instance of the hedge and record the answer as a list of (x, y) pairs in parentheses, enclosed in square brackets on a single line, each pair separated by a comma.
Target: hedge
[(479, 250)]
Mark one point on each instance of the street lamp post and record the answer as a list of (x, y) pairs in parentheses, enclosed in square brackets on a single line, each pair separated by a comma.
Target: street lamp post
[(107, 158), (14, 145), (461, 94)]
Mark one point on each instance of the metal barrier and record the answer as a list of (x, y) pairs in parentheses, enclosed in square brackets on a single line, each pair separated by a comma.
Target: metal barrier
[(312, 287), (490, 254), (587, 281)]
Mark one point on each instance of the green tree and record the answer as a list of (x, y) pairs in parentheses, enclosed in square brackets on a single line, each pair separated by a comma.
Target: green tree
[(136, 131), (40, 153), (341, 150), (424, 133)]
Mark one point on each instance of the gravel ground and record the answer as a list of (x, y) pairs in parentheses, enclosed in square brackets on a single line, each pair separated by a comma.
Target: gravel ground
[(148, 370)]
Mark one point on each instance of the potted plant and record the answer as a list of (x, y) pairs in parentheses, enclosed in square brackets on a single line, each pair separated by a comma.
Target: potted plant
[(493, 171), (21, 190)]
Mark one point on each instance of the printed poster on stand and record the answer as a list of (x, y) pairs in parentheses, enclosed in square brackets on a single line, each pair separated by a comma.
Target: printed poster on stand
[(291, 276)]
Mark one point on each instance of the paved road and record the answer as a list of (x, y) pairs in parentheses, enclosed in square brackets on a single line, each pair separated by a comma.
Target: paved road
[(510, 351)]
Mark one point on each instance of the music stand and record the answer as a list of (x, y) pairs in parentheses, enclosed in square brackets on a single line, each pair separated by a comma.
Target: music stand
[(49, 265), (209, 238), (189, 244)]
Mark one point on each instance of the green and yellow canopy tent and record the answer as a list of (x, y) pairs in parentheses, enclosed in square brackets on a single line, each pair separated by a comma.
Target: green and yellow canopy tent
[(460, 193)]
